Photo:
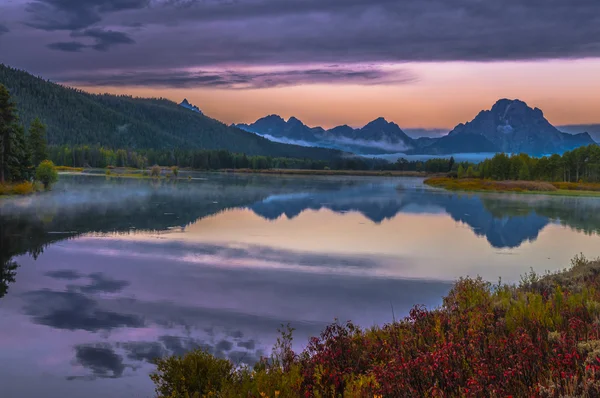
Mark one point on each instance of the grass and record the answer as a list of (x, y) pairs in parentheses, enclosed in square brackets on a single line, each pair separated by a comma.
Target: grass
[(69, 169), (482, 185), (21, 188), (540, 338)]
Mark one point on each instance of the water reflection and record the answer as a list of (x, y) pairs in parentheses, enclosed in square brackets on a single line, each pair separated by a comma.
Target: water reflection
[(115, 273)]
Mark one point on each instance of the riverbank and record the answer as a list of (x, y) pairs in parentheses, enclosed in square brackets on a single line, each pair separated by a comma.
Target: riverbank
[(137, 173), (536, 187), (540, 338), (21, 188)]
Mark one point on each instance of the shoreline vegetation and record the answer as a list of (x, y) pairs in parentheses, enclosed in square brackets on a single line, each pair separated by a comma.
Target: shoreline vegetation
[(166, 172), (538, 338), (24, 163), (515, 186)]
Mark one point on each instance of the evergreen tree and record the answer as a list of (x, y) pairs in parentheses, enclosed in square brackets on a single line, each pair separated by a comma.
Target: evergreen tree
[(38, 142), (18, 162), (8, 117)]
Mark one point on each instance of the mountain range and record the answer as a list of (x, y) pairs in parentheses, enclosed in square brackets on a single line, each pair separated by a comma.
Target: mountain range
[(74, 117), (509, 126)]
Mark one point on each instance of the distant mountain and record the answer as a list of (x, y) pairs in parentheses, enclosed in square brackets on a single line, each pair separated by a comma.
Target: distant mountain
[(509, 126), (276, 126), (75, 117), (592, 129), (189, 106), (512, 126), (467, 143), (377, 137)]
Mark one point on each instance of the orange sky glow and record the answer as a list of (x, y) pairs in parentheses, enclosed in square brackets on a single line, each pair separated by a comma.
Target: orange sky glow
[(443, 95)]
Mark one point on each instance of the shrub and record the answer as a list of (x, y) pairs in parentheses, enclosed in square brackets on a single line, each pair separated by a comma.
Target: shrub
[(155, 171), (46, 173), (175, 171), (24, 188), (108, 172), (540, 339), (196, 374)]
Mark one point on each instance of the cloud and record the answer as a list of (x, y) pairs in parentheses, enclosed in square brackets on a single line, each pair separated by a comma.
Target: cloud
[(102, 284), (64, 274), (249, 345), (69, 46), (181, 345), (144, 351), (105, 39), (74, 311), (243, 79), (3, 29), (100, 359), (203, 34), (51, 15)]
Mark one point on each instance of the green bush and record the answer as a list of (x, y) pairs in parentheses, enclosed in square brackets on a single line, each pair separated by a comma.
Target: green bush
[(46, 173), (175, 171), (196, 374)]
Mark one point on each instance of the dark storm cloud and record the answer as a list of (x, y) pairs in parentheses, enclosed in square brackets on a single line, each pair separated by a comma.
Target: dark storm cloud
[(100, 359), (208, 33), (75, 14), (300, 31), (74, 311), (245, 80)]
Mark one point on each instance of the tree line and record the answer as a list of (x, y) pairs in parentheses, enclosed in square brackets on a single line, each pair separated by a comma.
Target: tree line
[(200, 159), (579, 165)]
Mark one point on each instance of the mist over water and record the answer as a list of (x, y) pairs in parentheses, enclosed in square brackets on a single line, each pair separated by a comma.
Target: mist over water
[(115, 272)]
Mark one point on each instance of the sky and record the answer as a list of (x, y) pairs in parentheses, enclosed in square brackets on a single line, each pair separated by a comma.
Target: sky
[(433, 63)]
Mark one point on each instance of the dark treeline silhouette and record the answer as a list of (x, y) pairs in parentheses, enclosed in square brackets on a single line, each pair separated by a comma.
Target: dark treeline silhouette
[(202, 159), (96, 156)]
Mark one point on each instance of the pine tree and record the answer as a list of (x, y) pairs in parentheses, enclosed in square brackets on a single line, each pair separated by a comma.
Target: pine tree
[(8, 117), (18, 161), (38, 146)]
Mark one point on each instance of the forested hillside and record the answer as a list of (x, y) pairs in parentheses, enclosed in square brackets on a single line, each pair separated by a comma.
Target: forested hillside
[(75, 117)]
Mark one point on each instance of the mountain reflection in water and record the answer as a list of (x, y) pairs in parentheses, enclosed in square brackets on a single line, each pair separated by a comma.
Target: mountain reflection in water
[(101, 276)]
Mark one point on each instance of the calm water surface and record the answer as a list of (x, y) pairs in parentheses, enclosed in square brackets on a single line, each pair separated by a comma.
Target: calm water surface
[(98, 277)]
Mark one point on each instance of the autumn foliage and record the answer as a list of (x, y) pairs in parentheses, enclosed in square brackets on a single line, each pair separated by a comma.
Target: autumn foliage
[(538, 339)]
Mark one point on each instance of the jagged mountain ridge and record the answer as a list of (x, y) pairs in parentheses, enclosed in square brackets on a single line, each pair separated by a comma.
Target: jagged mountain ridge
[(509, 126)]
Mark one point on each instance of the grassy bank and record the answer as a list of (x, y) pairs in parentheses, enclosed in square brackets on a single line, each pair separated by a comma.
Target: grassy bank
[(137, 173), (21, 188), (540, 338), (482, 185), (63, 169)]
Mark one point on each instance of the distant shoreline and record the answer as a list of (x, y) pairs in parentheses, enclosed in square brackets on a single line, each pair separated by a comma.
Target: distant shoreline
[(138, 173)]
